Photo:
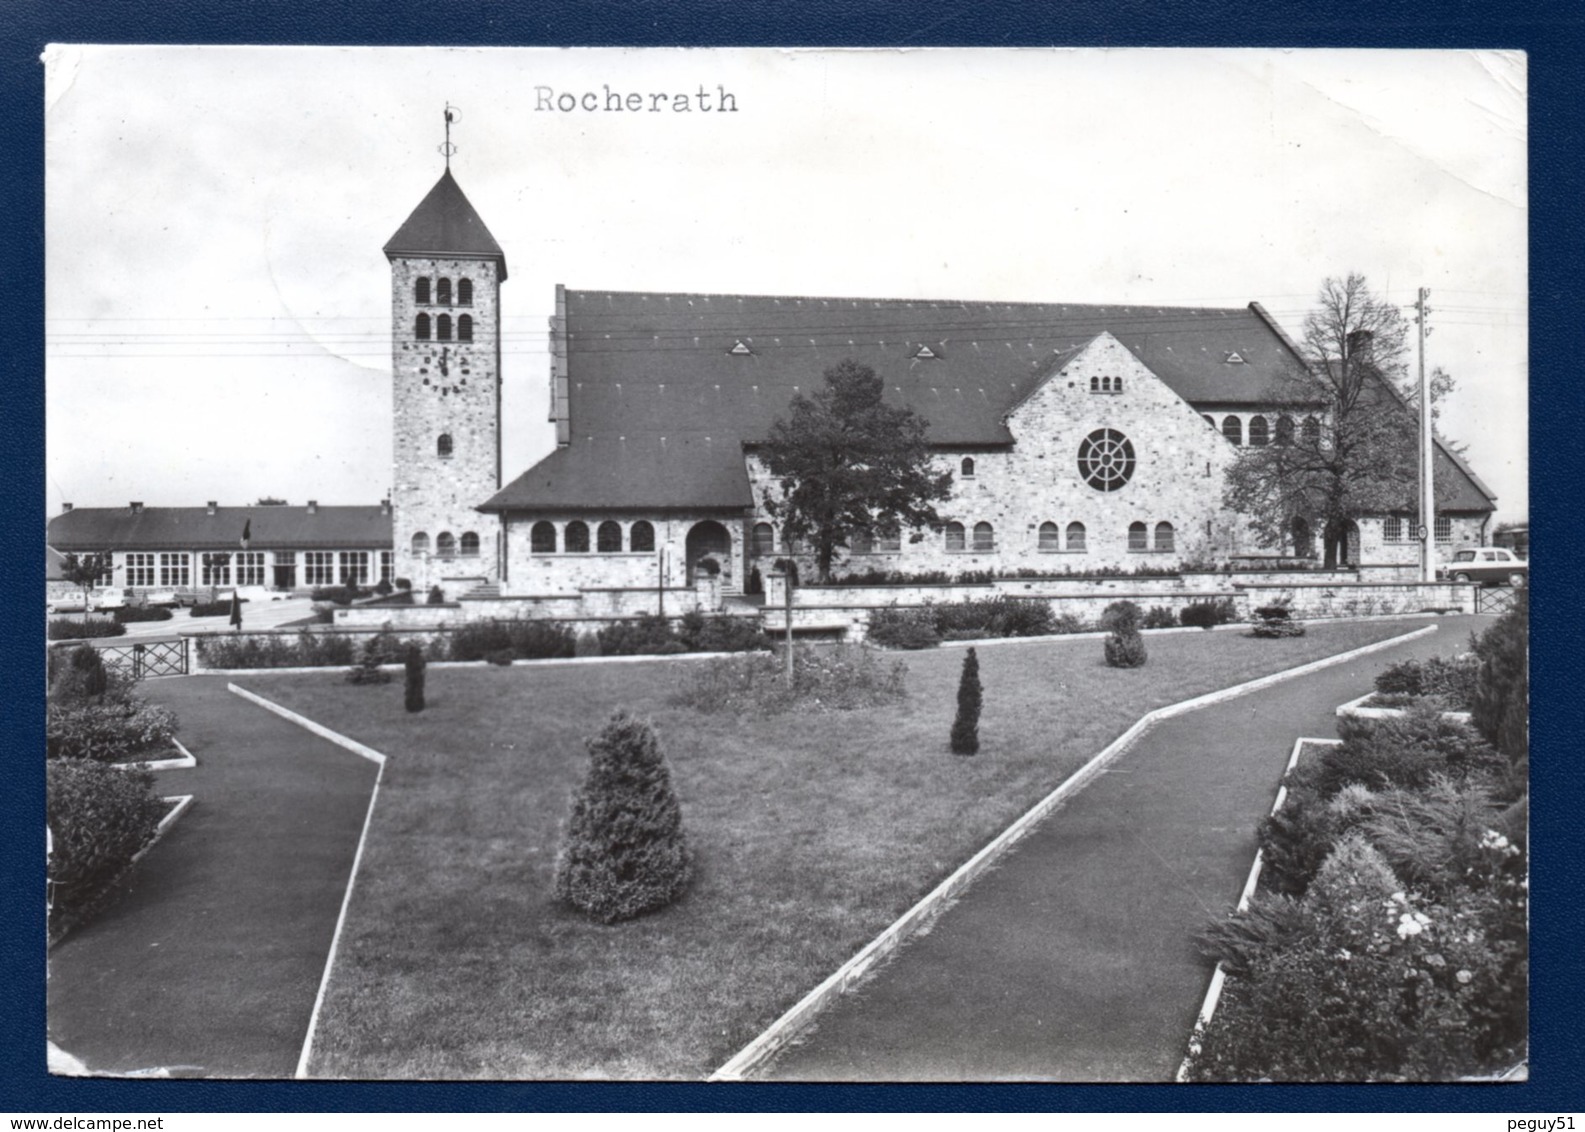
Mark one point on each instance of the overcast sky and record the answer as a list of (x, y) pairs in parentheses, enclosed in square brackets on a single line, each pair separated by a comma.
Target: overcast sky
[(219, 308)]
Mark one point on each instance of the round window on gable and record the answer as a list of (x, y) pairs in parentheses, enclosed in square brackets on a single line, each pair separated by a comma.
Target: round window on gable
[(1106, 459)]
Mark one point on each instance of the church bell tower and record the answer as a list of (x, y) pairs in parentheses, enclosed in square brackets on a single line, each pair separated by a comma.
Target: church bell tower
[(446, 276)]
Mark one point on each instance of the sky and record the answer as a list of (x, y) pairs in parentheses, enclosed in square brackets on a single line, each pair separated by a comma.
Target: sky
[(218, 307)]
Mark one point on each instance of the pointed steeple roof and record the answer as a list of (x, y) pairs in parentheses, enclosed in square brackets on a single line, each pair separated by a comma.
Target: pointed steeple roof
[(445, 224)]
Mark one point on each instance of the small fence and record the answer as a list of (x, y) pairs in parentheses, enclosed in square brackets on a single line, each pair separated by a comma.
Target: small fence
[(140, 661), (1494, 599)]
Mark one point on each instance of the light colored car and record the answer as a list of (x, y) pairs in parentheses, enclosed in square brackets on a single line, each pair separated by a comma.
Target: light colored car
[(69, 603), (113, 598), (1489, 564)]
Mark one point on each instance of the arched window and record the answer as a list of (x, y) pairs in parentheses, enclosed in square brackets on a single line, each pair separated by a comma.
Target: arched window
[(420, 543), (1259, 436), (1210, 420), (1233, 429), (861, 542), (443, 328), (1095, 385), (465, 328), (443, 446), (1392, 529), (1117, 385), (608, 538), (443, 292), (1050, 537), (1285, 429), (446, 544), (421, 328), (889, 544), (470, 545), (764, 539), (1076, 536), (968, 466), (1311, 431), (421, 290), (1138, 536), (955, 536), (465, 292), (1164, 536), (576, 540), (641, 536), (1106, 385), (542, 538), (984, 536)]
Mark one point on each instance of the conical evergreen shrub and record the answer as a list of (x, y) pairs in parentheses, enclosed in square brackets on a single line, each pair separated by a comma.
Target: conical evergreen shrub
[(415, 678), (623, 853), (966, 727)]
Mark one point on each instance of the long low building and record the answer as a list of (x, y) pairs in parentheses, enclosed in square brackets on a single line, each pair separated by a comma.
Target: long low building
[(262, 547)]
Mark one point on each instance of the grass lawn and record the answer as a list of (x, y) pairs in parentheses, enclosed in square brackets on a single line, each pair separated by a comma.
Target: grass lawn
[(811, 833)]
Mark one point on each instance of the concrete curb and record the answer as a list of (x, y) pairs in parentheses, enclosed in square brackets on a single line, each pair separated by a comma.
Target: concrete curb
[(546, 662), (1357, 709), (184, 762), (781, 1031), (183, 804), (378, 759), (1213, 993)]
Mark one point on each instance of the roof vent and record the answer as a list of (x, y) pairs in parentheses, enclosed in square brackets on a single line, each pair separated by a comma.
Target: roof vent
[(65, 507), (924, 352), (313, 506), (740, 348), (385, 506), (1234, 359), (211, 505), (137, 507)]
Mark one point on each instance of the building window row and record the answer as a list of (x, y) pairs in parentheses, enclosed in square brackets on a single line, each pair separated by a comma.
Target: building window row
[(446, 545), (1263, 432), (443, 326), (1397, 529), (574, 537), (1051, 538), (442, 291), (1139, 538), (960, 538), (140, 569), (1106, 385)]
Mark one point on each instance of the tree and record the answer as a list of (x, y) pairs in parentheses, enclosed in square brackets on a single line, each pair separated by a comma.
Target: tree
[(1347, 440), (624, 852), (966, 727), (85, 571), (413, 692), (848, 464)]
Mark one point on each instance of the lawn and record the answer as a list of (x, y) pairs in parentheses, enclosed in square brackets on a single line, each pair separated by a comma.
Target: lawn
[(811, 834)]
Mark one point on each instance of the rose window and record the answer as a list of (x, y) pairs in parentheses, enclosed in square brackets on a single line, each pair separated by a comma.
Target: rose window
[(1106, 459)]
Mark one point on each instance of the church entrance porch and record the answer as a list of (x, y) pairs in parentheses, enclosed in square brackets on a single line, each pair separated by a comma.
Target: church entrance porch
[(709, 539)]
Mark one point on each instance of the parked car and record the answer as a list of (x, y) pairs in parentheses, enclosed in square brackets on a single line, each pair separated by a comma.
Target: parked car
[(1488, 564), (97, 600), (72, 603), (114, 598), (161, 597)]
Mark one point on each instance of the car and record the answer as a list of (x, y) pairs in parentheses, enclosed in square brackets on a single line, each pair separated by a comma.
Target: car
[(111, 598), (1488, 564), (72, 603), (161, 597)]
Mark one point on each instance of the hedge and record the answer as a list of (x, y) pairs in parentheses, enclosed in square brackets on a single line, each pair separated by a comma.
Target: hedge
[(99, 817), (76, 629), (129, 613), (108, 732)]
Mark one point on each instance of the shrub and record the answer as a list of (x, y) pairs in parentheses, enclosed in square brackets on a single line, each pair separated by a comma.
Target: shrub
[(404, 584), (624, 852), (1275, 621), (1160, 617), (648, 635), (210, 608), (130, 613), (1125, 649), (1500, 707), (1122, 617), (1452, 681), (75, 629), (966, 727), (107, 732), (1297, 838), (501, 657), (1208, 612), (368, 670), (708, 566), (701, 633), (827, 678), (522, 638), (99, 817), (1404, 752), (274, 650), (1432, 837), (413, 697), (437, 596), (88, 668), (899, 628), (383, 588)]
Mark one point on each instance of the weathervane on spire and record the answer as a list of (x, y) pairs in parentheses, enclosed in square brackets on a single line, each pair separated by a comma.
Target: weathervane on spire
[(452, 114)]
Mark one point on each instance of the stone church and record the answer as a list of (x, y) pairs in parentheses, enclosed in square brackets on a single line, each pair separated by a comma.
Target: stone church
[(1080, 437)]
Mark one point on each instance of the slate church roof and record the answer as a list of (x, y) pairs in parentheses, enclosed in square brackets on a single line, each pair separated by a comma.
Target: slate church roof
[(445, 225), (666, 390)]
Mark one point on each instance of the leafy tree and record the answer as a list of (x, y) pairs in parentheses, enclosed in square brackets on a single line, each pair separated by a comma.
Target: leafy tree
[(269, 501), (966, 727), (848, 464), (85, 571), (1347, 442), (624, 852)]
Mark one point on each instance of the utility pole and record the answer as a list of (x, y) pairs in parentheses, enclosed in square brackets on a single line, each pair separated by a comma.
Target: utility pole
[(1427, 527)]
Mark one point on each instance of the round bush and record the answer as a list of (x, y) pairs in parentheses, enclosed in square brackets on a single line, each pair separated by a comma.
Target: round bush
[(624, 852), (1125, 649), (99, 817)]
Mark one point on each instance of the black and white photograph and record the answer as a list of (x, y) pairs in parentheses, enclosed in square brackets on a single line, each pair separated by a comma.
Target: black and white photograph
[(787, 565)]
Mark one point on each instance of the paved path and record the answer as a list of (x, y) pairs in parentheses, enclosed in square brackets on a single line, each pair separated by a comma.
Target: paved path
[(1074, 960), (212, 953)]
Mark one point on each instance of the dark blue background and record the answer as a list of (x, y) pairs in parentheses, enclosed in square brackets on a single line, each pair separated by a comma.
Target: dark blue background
[(1550, 31)]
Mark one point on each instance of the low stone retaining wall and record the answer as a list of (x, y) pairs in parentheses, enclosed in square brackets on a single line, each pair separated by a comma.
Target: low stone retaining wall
[(1366, 599)]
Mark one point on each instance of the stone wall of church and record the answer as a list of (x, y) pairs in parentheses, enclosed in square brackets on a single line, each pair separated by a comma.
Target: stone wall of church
[(452, 389), (561, 571), (1174, 478)]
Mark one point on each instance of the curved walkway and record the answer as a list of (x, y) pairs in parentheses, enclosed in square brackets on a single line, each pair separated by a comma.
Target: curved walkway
[(1074, 959), (210, 955)]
